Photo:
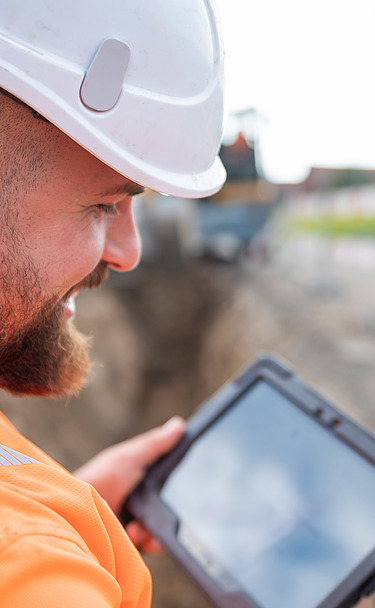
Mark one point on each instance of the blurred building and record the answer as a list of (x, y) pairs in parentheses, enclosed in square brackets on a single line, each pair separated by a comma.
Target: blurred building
[(233, 221)]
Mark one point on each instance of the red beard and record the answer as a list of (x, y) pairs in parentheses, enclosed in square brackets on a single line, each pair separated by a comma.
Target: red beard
[(48, 356)]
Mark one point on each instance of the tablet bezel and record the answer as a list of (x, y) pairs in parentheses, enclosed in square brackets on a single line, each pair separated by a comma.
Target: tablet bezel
[(146, 505)]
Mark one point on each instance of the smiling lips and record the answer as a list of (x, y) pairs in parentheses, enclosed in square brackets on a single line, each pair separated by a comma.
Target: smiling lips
[(70, 306)]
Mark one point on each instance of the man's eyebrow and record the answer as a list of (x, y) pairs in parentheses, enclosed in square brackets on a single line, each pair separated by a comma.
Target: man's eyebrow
[(129, 188)]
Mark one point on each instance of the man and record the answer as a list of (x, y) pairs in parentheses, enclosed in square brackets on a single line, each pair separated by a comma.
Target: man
[(96, 103)]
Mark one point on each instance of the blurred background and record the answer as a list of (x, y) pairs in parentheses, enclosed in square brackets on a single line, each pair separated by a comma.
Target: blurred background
[(282, 260)]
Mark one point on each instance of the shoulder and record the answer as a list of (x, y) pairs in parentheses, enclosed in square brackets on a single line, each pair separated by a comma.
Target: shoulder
[(49, 571), (54, 527)]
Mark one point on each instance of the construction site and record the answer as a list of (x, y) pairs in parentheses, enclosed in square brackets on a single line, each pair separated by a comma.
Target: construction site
[(205, 302)]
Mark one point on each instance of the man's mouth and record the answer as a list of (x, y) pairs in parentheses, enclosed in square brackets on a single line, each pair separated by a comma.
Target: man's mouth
[(70, 306), (94, 279)]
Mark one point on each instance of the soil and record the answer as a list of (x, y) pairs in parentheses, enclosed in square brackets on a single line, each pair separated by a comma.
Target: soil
[(167, 338)]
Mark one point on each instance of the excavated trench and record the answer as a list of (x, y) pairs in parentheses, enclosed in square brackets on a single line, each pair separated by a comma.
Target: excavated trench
[(166, 338)]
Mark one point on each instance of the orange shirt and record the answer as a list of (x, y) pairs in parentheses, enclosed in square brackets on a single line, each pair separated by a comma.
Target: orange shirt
[(60, 544)]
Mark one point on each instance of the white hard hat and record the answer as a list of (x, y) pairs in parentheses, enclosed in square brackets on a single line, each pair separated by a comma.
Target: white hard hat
[(138, 83)]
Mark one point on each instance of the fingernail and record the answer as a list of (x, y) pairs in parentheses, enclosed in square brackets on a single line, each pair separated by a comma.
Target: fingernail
[(174, 423)]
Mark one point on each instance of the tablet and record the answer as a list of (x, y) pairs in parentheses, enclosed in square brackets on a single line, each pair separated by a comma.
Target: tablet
[(269, 499)]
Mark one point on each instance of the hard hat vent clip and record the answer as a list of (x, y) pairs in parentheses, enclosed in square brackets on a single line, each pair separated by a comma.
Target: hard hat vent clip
[(102, 84)]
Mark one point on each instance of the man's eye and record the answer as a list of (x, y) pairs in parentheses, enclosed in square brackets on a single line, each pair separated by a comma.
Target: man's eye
[(107, 209)]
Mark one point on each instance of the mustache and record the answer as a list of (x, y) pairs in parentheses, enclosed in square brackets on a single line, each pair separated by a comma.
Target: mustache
[(96, 278)]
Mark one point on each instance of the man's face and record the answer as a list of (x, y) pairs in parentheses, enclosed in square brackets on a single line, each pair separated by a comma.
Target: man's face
[(64, 218)]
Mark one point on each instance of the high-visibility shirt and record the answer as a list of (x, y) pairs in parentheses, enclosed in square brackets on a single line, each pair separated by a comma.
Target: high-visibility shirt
[(60, 544)]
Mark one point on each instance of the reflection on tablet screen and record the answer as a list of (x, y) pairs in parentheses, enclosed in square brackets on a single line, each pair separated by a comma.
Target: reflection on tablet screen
[(279, 502)]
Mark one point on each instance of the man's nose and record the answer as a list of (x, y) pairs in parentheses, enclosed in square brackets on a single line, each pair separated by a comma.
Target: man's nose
[(122, 247)]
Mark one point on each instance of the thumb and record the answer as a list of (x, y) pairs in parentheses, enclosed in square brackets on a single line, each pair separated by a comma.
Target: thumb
[(151, 445)]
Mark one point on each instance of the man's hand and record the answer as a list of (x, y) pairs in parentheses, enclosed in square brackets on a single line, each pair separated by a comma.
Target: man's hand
[(116, 471)]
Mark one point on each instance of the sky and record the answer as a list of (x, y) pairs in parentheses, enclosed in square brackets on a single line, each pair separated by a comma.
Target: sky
[(307, 67)]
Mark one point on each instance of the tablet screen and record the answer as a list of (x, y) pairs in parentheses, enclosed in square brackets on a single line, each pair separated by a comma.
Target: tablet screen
[(276, 502)]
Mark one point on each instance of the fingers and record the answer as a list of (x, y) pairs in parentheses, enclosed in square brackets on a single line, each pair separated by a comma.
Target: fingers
[(143, 539)]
